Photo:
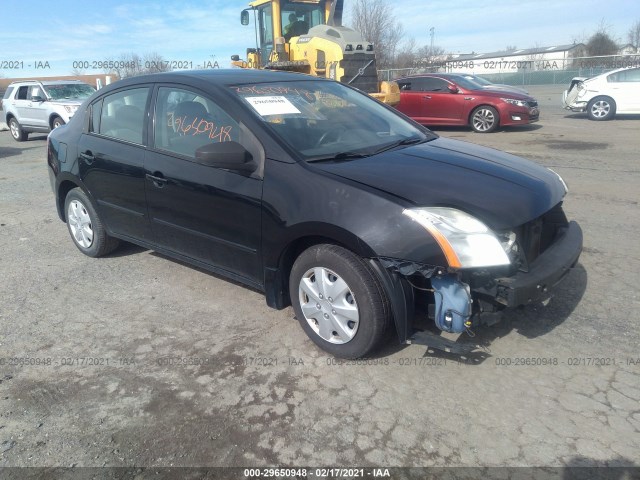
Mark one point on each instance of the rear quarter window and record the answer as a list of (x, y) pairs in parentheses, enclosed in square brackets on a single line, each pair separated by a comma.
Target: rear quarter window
[(8, 92)]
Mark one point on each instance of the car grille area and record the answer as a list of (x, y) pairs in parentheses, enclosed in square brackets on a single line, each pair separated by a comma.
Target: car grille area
[(533, 238)]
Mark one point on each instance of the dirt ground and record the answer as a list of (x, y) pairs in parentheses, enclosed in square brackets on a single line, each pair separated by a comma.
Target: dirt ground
[(139, 360)]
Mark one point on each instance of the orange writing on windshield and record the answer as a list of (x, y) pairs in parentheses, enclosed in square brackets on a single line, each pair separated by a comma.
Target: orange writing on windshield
[(200, 126)]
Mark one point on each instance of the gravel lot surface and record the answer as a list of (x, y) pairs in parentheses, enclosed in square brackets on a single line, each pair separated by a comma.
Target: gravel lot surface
[(140, 360)]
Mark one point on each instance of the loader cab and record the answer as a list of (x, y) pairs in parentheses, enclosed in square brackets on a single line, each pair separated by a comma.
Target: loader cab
[(281, 18)]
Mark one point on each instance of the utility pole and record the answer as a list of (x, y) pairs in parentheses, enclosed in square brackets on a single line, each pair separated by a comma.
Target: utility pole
[(433, 33)]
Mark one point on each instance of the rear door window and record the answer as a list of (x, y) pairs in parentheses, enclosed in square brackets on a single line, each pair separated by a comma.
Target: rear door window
[(22, 92), (433, 85), (123, 115)]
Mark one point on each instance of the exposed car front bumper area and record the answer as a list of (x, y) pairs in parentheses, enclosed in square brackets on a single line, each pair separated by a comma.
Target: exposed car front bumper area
[(463, 299), (520, 116), (570, 100), (545, 272)]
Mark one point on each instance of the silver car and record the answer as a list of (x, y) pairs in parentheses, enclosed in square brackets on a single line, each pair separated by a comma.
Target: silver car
[(35, 106)]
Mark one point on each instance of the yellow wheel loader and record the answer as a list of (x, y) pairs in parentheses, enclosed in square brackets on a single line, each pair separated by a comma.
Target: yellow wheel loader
[(307, 36)]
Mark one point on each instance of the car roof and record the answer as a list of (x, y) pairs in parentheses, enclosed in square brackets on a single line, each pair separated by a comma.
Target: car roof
[(222, 77), (47, 82), (446, 76)]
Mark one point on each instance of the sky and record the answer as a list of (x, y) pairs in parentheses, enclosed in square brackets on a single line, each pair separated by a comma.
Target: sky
[(46, 38)]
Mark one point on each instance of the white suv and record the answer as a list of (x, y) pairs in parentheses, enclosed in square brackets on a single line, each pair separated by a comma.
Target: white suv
[(606, 95), (34, 106)]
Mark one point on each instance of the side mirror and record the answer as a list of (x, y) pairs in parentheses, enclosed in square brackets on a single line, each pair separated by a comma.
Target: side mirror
[(244, 17), (235, 58), (453, 89), (37, 98), (227, 155)]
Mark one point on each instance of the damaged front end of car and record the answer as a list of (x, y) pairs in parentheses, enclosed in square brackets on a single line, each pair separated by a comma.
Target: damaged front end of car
[(488, 271), (575, 98)]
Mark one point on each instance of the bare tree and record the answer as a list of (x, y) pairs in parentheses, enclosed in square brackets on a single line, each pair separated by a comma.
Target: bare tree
[(429, 55), (132, 65), (510, 48), (78, 72), (634, 35), (375, 20), (600, 43), (406, 56), (154, 63)]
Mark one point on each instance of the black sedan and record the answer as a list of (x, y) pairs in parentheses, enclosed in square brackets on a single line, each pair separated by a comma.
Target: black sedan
[(316, 194)]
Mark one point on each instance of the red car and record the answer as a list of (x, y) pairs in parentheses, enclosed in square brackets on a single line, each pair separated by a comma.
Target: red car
[(450, 99)]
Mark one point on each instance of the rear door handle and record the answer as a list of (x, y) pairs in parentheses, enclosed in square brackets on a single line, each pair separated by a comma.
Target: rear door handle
[(157, 179), (87, 157), (427, 97)]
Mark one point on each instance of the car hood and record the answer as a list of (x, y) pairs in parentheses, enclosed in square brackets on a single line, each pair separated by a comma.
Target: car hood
[(67, 101), (489, 91), (502, 190), (506, 88)]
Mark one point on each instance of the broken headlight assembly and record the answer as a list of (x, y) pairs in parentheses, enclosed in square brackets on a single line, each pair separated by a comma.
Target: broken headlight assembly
[(465, 241)]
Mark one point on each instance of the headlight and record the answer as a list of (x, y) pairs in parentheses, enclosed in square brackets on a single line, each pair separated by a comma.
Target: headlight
[(465, 240), (566, 189), (71, 108), (513, 101)]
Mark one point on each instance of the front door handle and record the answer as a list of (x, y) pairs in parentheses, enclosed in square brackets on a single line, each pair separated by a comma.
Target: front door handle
[(87, 157), (157, 178), (427, 97)]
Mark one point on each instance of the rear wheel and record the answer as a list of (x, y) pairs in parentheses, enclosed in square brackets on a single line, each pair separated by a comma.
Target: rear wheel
[(86, 228), (601, 108), (339, 301), (17, 133), (485, 119)]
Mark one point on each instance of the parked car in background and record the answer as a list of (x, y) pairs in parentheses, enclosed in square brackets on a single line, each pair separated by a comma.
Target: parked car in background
[(606, 95), (451, 99), (34, 106), (494, 86), (314, 193)]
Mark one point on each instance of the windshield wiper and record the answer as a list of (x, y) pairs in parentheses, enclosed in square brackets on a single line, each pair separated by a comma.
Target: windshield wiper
[(399, 143), (340, 156)]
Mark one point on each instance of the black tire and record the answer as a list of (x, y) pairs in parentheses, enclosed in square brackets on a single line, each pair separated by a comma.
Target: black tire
[(17, 133), (484, 119), (100, 242), (57, 122), (601, 108), (363, 292)]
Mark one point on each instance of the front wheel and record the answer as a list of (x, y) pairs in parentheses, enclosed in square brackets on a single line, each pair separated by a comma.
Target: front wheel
[(485, 119), (339, 301), (601, 108), (17, 133), (57, 122), (86, 228)]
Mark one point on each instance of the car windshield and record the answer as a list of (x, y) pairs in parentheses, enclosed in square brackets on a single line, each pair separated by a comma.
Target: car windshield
[(326, 120), (478, 80), (72, 91), (466, 83)]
